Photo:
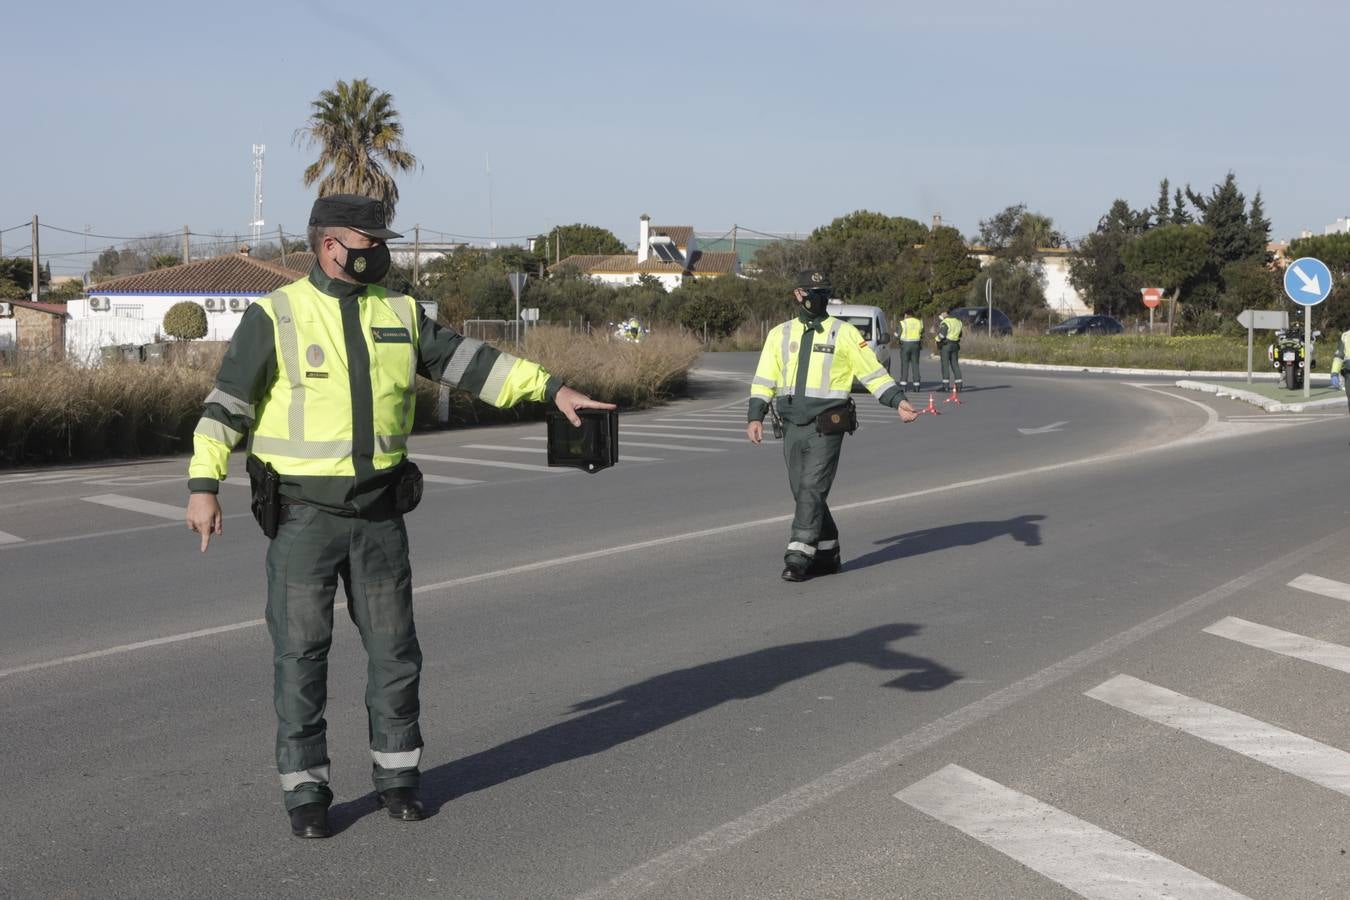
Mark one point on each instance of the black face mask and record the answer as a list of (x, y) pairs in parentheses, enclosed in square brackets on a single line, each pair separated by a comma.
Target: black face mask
[(815, 302), (367, 265)]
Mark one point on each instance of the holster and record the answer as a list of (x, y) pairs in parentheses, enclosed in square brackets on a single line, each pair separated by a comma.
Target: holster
[(407, 487), (265, 485), (839, 420)]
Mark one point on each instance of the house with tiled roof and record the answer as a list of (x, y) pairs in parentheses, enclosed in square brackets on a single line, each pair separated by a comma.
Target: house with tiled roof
[(668, 253), (130, 309), (31, 331)]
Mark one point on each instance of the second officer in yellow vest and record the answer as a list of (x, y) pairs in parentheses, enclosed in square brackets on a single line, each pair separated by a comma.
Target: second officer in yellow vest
[(911, 343), (321, 376), (949, 349), (806, 370)]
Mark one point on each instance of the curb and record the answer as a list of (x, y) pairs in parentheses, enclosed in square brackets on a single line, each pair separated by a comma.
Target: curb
[(1267, 404)]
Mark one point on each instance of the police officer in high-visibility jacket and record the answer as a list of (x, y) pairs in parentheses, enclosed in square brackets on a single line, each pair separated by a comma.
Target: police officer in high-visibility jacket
[(806, 370), (321, 374), (949, 349), (1338, 362), (911, 344)]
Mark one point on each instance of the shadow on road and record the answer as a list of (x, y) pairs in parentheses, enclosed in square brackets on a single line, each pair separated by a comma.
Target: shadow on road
[(964, 534), (648, 706)]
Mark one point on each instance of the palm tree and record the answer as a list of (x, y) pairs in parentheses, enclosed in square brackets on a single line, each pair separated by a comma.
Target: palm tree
[(359, 134)]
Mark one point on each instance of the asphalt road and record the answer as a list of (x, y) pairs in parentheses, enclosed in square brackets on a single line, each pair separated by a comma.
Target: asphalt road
[(1010, 690)]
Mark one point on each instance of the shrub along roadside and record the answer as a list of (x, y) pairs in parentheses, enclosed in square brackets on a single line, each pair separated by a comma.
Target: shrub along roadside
[(1210, 352), (60, 413)]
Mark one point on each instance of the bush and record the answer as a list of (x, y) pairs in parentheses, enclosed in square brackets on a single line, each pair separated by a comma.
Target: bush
[(1210, 352), (185, 321)]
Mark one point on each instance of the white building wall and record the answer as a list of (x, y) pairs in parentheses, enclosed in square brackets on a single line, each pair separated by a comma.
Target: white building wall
[(9, 334), (139, 319), (669, 281), (1060, 294)]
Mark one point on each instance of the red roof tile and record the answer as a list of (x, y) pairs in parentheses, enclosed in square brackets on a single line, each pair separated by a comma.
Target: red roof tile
[(230, 274), (55, 309)]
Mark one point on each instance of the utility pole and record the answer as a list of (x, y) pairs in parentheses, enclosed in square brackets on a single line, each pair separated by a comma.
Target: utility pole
[(281, 244), (186, 249), (37, 274), (417, 253), (733, 238)]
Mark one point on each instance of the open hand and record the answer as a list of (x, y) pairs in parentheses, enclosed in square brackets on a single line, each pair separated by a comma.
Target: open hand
[(569, 401)]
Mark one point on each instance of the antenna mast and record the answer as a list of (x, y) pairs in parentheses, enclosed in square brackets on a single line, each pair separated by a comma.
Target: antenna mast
[(257, 224)]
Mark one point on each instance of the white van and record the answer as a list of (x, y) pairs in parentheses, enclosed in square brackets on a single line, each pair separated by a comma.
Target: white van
[(869, 320)]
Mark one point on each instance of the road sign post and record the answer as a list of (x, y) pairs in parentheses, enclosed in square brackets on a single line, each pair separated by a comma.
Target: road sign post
[(1268, 319), (989, 299), (517, 281), (1152, 297), (1307, 281)]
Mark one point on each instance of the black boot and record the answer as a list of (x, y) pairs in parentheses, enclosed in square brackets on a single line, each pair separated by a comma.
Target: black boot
[(310, 821), (402, 804)]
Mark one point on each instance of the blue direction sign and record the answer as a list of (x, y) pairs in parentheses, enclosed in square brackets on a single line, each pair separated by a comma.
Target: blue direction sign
[(1307, 281)]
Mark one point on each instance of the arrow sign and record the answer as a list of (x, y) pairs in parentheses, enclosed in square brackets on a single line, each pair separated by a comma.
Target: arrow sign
[(1044, 429), (1307, 281)]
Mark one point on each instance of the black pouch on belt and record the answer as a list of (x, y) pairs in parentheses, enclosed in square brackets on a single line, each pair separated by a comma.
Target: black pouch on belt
[(839, 420), (408, 487), (265, 485)]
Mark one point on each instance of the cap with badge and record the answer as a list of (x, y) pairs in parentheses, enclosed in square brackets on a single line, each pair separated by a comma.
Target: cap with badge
[(812, 279), (363, 214)]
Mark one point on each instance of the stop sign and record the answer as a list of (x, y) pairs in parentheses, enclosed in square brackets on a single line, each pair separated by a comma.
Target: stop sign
[(1152, 296)]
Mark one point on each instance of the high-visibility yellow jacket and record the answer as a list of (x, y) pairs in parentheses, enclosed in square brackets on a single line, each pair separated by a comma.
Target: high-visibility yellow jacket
[(949, 329), (806, 370), (911, 329), (1342, 350), (321, 375)]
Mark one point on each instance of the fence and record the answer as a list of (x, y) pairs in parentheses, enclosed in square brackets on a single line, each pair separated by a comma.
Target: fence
[(85, 338)]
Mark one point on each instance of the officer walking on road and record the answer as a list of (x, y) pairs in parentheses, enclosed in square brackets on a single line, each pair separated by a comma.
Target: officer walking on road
[(806, 370), (911, 344), (949, 349), (321, 375)]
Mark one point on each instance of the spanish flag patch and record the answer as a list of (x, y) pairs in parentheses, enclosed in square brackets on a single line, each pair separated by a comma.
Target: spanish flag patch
[(862, 343)]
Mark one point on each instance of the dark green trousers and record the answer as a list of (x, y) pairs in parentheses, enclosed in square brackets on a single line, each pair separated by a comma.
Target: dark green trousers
[(909, 364), (312, 551), (812, 460), (950, 352)]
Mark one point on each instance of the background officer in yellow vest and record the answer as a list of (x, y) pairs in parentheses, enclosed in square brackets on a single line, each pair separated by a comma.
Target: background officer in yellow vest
[(1338, 362), (321, 375), (806, 370), (949, 349), (911, 343)]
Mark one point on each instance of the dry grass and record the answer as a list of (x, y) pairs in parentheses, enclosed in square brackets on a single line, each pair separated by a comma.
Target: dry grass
[(1127, 351), (57, 412)]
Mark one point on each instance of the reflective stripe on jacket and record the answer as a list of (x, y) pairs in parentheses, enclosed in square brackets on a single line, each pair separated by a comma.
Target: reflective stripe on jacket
[(950, 329)]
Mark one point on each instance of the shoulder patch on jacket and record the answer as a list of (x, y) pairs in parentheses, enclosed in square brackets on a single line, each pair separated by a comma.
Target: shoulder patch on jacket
[(862, 343)]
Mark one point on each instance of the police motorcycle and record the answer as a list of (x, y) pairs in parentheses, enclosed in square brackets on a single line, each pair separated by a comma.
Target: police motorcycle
[(1286, 355)]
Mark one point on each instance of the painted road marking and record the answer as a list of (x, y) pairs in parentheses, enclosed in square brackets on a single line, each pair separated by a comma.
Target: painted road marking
[(1086, 859), (1280, 749), (692, 437), (626, 443), (1336, 590), (494, 463), (7, 538), (448, 479), (692, 428), (1285, 643), (506, 449), (135, 504)]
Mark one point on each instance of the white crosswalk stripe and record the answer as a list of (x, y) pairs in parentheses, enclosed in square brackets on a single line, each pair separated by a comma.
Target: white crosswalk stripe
[(136, 504), (1083, 857), (1276, 747), (648, 446), (692, 428), (491, 463), (1285, 643), (536, 450), (1336, 590), (7, 538)]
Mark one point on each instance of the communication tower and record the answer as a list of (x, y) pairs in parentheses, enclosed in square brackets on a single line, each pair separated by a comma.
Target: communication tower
[(257, 224)]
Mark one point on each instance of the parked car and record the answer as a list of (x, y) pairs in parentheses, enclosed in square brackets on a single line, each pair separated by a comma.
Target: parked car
[(976, 319), (1088, 325)]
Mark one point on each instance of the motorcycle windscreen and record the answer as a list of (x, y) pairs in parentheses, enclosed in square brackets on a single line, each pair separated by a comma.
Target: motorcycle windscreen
[(593, 446)]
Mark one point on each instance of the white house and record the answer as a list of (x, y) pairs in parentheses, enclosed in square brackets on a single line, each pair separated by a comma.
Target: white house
[(668, 253), (130, 309), (1060, 294)]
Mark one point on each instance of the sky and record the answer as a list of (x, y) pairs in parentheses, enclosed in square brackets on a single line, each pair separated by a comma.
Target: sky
[(139, 118)]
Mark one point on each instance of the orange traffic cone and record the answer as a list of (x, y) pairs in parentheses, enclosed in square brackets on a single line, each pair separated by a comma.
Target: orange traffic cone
[(931, 408), (954, 399)]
